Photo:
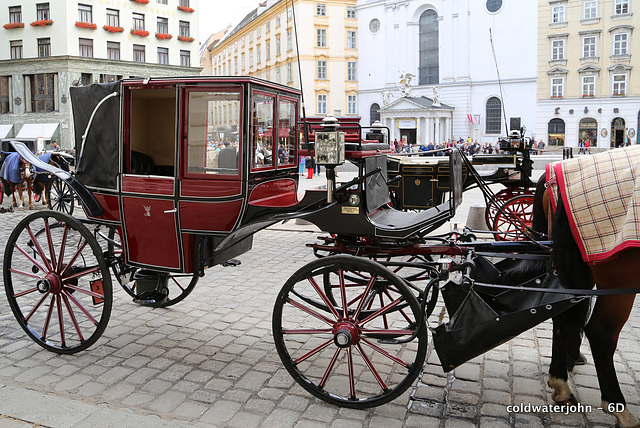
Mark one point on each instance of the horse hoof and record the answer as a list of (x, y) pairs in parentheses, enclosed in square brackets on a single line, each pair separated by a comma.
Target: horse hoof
[(21, 208), (582, 360), (571, 401)]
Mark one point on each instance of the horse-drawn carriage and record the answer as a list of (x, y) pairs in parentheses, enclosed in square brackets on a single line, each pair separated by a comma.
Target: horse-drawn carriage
[(176, 175)]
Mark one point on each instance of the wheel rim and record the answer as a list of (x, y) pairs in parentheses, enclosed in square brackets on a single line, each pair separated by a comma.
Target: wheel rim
[(515, 219), (61, 197), (57, 282), (336, 352), (179, 285)]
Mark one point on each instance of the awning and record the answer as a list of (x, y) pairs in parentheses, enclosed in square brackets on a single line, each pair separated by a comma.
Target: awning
[(38, 130), (5, 130)]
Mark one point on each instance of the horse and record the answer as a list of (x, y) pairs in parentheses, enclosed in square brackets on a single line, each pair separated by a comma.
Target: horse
[(14, 172), (42, 180), (619, 269)]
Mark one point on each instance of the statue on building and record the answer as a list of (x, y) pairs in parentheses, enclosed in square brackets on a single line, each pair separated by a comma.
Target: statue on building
[(436, 96), (405, 84), (386, 96)]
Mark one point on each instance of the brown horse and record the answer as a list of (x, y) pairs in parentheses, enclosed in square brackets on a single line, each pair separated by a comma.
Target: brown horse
[(607, 319), (16, 171), (42, 179)]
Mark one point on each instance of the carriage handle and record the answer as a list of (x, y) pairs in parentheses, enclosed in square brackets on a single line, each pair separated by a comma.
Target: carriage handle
[(93, 113)]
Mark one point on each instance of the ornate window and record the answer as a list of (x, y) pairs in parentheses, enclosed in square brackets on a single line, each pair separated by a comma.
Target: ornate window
[(589, 46), (621, 7), (351, 104), (493, 114), (588, 86), (590, 9), (557, 86), (429, 69), (321, 37), (374, 112), (322, 104), (558, 14)]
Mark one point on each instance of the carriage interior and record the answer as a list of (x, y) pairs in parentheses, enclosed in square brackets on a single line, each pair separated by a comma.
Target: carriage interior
[(152, 132)]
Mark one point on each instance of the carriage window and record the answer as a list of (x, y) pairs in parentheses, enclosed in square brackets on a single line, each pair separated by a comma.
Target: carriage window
[(262, 131), (214, 119), (287, 119)]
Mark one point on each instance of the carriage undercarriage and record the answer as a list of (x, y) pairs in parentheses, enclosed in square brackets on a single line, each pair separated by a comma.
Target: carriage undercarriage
[(350, 327)]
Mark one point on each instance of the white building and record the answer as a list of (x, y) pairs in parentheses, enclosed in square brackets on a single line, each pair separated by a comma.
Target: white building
[(49, 46), (427, 71)]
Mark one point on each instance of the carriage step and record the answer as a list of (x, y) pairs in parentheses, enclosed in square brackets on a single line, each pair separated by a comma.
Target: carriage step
[(232, 263)]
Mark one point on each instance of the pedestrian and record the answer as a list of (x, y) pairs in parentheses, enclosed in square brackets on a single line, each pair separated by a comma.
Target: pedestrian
[(541, 146), (310, 165), (301, 166)]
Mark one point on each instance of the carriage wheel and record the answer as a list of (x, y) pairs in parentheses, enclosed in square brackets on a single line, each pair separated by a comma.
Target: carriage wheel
[(360, 353), (515, 219), (500, 198), (180, 285), (57, 282), (61, 196)]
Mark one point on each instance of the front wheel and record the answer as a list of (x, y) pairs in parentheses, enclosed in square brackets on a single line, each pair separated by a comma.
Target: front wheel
[(515, 219), (363, 351), (57, 282), (61, 197)]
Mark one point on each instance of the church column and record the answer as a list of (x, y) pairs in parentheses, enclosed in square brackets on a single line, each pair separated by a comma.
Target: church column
[(436, 137), (447, 128)]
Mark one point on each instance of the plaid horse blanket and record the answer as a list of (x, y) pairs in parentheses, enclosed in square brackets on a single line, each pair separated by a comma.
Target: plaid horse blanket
[(601, 195)]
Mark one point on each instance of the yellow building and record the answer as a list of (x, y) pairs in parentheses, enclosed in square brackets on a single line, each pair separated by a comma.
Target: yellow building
[(263, 44), (587, 93)]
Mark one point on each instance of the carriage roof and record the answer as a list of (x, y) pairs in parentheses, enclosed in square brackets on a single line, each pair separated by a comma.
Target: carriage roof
[(97, 162)]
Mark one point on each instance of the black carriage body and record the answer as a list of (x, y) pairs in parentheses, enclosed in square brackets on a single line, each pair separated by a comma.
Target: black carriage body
[(178, 163)]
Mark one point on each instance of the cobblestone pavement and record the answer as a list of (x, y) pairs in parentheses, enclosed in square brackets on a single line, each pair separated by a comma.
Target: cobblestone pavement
[(210, 361)]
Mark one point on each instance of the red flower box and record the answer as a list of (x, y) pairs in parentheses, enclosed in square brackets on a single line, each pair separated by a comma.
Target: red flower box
[(89, 25), (13, 25), (41, 23), (185, 39), (112, 29), (141, 33), (141, 1), (186, 9), (163, 36)]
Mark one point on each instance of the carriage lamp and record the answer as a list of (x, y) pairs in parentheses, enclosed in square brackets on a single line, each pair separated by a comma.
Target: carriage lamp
[(329, 146), (376, 133), (329, 151)]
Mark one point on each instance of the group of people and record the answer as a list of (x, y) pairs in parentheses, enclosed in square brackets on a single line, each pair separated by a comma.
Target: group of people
[(468, 146)]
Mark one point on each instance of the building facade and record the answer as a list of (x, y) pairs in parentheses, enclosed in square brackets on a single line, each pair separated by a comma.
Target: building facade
[(49, 46), (587, 94), (428, 71), (263, 44)]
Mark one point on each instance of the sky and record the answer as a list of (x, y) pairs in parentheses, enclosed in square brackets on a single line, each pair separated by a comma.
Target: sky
[(215, 15)]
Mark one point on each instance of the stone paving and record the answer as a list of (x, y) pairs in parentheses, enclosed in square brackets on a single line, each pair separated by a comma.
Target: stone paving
[(209, 361)]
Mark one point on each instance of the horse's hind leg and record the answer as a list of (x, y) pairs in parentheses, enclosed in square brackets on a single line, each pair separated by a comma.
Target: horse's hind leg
[(566, 340), (609, 316)]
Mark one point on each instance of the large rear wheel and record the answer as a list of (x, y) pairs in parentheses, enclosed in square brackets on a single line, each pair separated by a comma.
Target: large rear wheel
[(364, 351), (57, 282)]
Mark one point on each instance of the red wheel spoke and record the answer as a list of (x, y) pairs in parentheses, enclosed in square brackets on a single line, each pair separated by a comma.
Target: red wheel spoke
[(324, 298), (52, 253), (38, 250), (310, 312), (314, 351), (73, 259), (384, 317), (63, 245), (327, 372), (389, 332), (35, 308), (72, 316), (343, 293), (49, 313), (404, 314), (29, 274), (381, 311), (80, 306), (366, 292), (32, 260), (352, 380), (383, 352), (82, 290), (307, 331), (374, 372), (80, 274), (61, 321)]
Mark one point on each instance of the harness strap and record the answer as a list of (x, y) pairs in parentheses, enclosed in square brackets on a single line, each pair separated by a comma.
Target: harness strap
[(609, 292)]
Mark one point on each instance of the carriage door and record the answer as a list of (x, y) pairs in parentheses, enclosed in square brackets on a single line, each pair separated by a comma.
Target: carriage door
[(148, 202)]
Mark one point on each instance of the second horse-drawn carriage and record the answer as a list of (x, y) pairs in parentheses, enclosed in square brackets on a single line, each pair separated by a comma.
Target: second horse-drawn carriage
[(177, 175)]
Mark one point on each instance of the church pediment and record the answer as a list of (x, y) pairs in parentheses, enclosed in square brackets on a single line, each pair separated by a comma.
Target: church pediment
[(414, 103)]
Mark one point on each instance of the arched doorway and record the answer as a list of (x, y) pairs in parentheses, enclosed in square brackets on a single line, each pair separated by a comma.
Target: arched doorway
[(555, 131), (588, 132), (617, 132), (374, 112)]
